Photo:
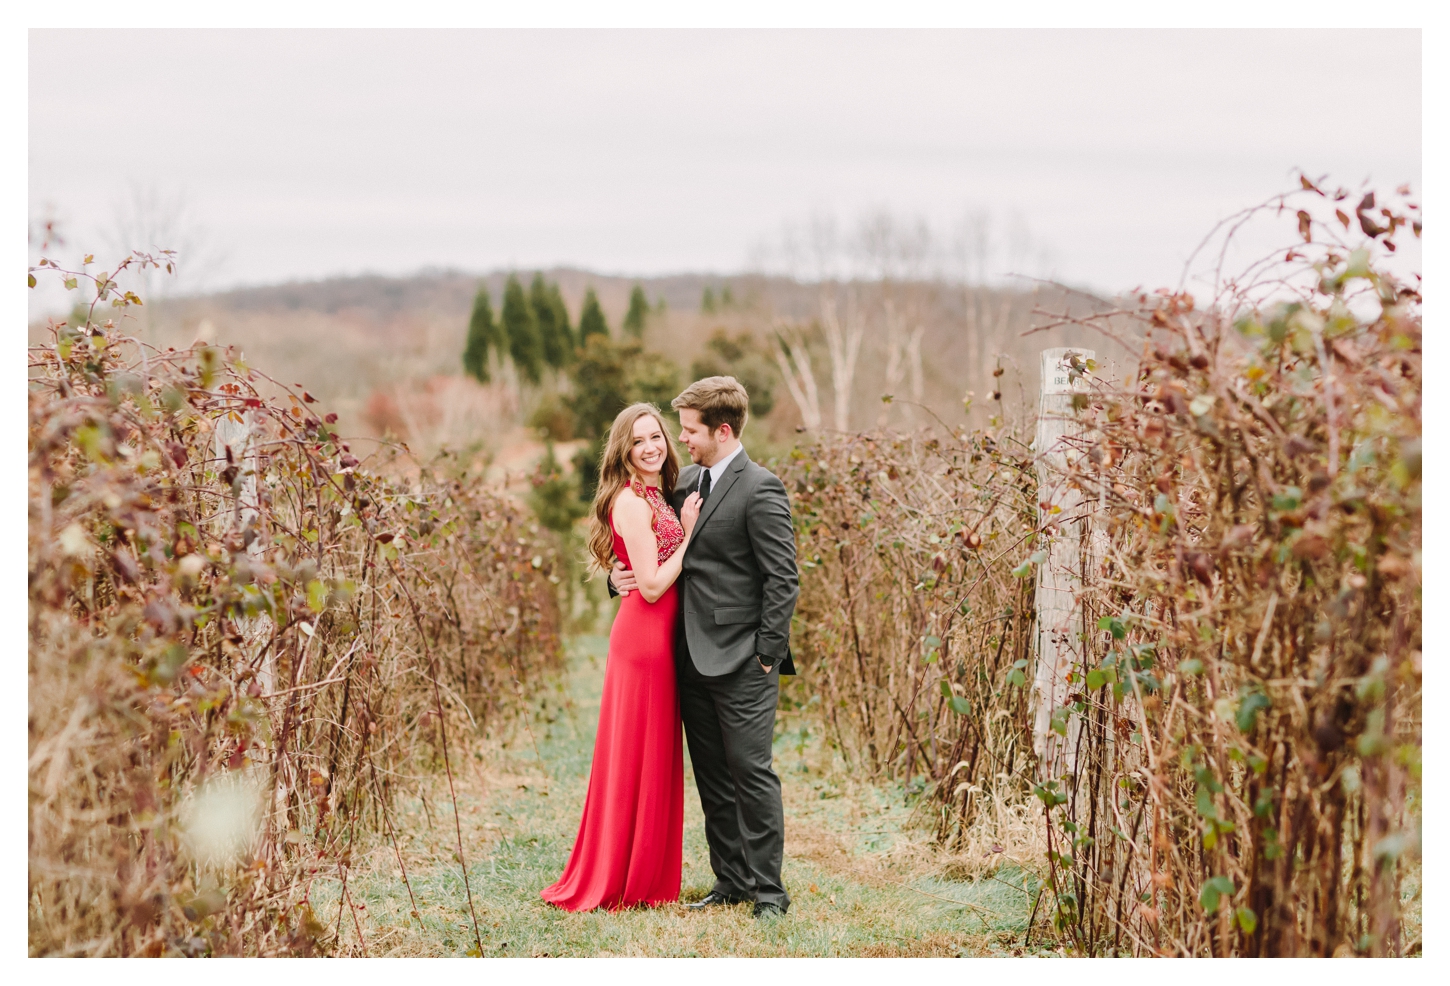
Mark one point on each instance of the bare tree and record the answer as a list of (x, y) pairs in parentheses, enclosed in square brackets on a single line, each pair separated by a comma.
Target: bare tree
[(843, 344), (896, 254), (794, 360), (151, 220)]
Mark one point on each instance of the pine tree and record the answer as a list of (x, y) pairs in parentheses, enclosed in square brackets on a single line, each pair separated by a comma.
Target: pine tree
[(555, 338), (561, 320), (591, 319), (483, 335), (638, 310), (609, 376), (522, 329)]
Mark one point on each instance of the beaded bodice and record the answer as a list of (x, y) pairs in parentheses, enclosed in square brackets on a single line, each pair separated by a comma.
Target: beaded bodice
[(669, 535)]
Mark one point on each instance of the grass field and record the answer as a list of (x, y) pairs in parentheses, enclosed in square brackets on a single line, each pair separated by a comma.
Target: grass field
[(863, 882)]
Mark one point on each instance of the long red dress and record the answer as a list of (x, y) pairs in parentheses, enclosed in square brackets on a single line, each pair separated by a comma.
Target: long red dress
[(628, 848)]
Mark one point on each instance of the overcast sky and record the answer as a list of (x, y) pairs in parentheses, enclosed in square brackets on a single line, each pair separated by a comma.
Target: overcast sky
[(305, 154)]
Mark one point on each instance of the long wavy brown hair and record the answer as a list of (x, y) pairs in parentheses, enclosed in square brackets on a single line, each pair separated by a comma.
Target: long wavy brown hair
[(616, 472)]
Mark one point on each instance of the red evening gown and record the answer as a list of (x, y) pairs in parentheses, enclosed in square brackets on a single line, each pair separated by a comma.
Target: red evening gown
[(628, 848)]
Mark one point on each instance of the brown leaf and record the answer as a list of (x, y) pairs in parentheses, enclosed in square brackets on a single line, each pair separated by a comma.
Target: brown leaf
[(1393, 566), (1200, 563), (1311, 547), (1237, 537)]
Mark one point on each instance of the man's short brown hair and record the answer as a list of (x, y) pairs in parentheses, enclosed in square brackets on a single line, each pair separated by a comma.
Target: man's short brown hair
[(719, 401)]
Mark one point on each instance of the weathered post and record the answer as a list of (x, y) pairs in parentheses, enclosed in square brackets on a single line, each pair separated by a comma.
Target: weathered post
[(234, 445), (1059, 581)]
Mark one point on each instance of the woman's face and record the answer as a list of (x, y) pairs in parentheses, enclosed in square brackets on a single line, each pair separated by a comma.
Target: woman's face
[(650, 446)]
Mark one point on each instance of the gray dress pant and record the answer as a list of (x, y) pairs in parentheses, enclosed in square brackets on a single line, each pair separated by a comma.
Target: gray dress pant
[(729, 725)]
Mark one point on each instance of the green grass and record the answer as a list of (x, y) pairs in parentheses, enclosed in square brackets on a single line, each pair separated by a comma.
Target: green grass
[(861, 880)]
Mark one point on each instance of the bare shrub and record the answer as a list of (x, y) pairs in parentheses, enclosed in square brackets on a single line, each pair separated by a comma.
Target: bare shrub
[(913, 631), (243, 642), (1243, 725), (1249, 757)]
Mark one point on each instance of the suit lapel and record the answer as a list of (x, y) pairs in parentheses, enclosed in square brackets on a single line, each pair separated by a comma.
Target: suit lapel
[(737, 465)]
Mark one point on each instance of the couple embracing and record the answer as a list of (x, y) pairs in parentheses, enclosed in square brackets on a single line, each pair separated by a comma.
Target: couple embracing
[(704, 558)]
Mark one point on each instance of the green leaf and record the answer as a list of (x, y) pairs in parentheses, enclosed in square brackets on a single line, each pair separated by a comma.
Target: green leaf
[(1049, 794), (1213, 890), (1249, 710), (1016, 677), (1059, 721), (1191, 666), (1287, 499), (1023, 570), (1095, 680), (1113, 625), (316, 596), (30, 280), (960, 705), (1247, 920)]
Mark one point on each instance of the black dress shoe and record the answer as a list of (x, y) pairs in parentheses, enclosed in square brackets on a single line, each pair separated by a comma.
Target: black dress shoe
[(715, 899), (766, 909)]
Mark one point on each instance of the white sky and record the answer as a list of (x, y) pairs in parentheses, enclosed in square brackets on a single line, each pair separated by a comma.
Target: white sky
[(305, 154)]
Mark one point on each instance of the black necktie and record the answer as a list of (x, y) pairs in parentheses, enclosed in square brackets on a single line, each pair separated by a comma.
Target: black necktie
[(704, 485)]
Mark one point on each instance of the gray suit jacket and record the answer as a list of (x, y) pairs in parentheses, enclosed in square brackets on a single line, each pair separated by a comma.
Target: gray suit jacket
[(738, 584)]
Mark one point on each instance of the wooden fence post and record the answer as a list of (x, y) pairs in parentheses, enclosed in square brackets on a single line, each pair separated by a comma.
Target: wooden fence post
[(1059, 579), (234, 441)]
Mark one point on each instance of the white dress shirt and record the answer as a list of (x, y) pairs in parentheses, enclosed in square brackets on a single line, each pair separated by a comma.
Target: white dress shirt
[(718, 469)]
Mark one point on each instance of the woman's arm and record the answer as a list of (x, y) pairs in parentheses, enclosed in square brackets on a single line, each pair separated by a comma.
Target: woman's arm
[(632, 518)]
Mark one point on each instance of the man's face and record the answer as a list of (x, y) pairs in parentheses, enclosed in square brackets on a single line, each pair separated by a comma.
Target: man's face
[(704, 445)]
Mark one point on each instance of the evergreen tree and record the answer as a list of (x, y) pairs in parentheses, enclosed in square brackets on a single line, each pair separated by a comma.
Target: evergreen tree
[(561, 319), (483, 335), (638, 310), (522, 329), (556, 339), (609, 376), (555, 497), (591, 319), (707, 301)]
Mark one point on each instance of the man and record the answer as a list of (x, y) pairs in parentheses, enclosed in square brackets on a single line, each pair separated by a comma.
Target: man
[(738, 589)]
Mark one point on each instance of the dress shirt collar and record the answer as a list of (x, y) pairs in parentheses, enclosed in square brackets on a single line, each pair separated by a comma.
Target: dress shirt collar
[(718, 469)]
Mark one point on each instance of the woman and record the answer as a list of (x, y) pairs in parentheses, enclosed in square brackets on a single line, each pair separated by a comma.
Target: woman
[(628, 848)]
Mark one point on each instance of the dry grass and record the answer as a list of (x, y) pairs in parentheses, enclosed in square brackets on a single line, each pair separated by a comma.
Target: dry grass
[(862, 879)]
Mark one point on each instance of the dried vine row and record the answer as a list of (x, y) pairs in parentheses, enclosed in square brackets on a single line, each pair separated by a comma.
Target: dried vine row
[(225, 689)]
